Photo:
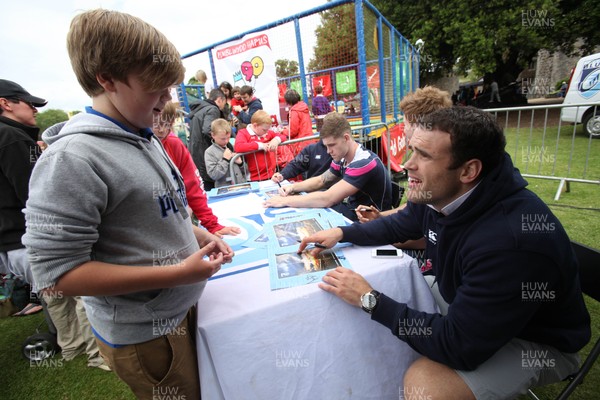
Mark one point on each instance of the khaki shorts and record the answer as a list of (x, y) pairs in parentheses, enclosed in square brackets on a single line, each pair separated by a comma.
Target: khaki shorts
[(166, 367)]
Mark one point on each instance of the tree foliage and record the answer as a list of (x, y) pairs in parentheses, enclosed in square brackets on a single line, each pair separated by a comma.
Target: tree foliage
[(50, 117), (494, 37), (336, 39), (286, 68), (578, 21)]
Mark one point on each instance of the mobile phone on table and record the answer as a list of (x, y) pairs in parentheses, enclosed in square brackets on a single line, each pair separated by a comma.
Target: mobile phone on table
[(386, 253)]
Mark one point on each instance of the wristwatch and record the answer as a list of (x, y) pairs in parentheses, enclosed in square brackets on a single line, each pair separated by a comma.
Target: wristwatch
[(368, 301)]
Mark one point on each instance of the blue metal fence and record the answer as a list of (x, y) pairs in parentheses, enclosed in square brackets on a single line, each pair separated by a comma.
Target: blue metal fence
[(394, 57)]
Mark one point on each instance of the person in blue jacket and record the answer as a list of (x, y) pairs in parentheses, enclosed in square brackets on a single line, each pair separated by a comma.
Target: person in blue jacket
[(253, 104), (513, 314)]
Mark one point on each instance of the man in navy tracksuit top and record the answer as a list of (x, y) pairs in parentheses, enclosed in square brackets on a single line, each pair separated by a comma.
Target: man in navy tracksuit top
[(312, 160), (501, 260)]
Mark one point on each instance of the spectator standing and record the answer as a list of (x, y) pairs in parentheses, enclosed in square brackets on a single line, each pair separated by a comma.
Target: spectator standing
[(227, 90), (299, 126), (320, 107), (495, 95), (259, 138), (194, 190), (300, 123), (19, 152), (218, 156), (202, 114), (252, 104), (202, 79)]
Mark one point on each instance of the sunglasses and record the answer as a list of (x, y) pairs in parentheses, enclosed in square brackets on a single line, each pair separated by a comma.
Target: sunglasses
[(17, 100)]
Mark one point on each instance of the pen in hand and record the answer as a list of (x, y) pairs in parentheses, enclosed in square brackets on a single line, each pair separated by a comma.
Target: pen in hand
[(316, 244), (363, 209)]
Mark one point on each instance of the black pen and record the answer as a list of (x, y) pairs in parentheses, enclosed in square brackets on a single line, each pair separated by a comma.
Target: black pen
[(318, 245), (278, 184)]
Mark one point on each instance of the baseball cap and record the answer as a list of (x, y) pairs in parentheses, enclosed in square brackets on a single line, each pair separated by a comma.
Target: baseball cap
[(12, 90)]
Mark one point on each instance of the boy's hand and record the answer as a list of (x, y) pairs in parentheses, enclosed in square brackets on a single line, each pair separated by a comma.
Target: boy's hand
[(228, 230), (205, 238), (222, 248), (227, 154), (272, 145), (197, 268), (238, 160)]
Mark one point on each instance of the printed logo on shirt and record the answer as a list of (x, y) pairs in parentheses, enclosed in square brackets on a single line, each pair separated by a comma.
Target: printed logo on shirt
[(318, 157), (166, 201), (432, 236), (426, 266)]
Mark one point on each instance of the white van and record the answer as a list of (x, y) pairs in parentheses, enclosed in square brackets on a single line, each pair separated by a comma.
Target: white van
[(584, 88)]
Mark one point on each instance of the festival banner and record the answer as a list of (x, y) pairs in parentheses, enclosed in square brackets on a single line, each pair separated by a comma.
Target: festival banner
[(250, 61)]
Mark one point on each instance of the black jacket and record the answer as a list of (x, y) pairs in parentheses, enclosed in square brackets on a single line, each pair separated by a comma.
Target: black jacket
[(18, 154), (502, 261), (202, 114), (312, 160)]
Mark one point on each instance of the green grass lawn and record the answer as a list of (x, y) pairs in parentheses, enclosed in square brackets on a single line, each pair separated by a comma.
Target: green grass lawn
[(578, 210)]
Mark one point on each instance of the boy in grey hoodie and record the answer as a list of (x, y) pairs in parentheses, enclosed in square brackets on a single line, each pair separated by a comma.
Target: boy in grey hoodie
[(106, 216)]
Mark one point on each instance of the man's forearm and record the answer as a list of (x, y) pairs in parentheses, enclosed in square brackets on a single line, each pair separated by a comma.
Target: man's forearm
[(316, 199), (310, 185)]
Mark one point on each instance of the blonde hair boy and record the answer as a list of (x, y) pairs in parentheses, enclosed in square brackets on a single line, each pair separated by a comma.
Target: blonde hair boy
[(220, 125)]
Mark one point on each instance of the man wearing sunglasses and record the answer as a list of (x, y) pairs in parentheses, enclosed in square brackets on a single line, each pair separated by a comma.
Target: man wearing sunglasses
[(18, 154)]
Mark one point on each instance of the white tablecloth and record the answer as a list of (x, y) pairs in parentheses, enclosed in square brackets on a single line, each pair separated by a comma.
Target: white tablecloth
[(302, 342)]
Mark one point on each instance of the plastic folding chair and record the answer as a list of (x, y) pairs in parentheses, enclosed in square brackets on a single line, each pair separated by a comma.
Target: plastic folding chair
[(589, 276)]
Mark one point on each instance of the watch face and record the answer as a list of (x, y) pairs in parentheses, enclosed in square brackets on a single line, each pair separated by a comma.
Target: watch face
[(368, 301)]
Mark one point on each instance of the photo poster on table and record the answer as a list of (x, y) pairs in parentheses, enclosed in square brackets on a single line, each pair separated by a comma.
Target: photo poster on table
[(233, 190), (286, 232), (248, 213), (288, 229), (290, 269), (287, 268)]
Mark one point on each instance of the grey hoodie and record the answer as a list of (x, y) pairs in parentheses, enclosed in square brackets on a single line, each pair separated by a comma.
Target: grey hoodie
[(101, 193)]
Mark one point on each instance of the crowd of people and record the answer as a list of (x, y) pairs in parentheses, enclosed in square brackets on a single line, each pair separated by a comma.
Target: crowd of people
[(128, 242)]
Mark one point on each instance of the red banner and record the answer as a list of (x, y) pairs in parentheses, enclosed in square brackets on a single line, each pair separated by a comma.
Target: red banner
[(373, 76), (248, 44), (397, 149), (325, 82)]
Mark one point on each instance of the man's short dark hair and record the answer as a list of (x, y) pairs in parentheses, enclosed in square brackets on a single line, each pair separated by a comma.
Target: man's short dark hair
[(291, 97), (247, 89), (215, 94), (474, 134)]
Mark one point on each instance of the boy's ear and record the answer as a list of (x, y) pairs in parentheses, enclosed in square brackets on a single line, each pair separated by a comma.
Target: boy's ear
[(106, 81)]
